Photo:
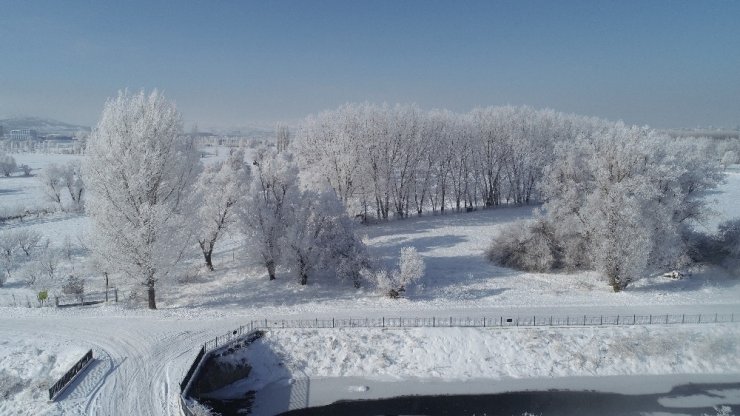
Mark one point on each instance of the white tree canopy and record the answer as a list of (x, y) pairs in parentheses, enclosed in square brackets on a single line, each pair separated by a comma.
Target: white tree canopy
[(139, 169)]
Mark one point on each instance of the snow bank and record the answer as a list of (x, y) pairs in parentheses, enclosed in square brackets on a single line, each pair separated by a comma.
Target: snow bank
[(28, 367), (458, 354)]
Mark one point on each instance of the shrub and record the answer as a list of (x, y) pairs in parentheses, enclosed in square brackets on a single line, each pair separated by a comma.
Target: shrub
[(73, 286), (43, 296), (525, 246)]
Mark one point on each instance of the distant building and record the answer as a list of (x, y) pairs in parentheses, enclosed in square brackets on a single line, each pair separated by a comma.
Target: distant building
[(24, 134)]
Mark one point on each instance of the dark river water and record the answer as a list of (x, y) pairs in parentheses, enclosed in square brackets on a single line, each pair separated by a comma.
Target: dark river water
[(690, 399)]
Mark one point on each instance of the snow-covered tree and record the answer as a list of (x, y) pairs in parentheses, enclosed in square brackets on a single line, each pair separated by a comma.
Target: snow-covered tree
[(7, 164), (28, 241), (618, 200), (8, 254), (139, 172), (73, 181), (282, 135), (263, 213), (217, 191), (320, 237), (730, 157), (52, 182)]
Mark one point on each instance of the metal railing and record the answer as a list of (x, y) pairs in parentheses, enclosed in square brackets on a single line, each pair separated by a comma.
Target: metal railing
[(71, 374)]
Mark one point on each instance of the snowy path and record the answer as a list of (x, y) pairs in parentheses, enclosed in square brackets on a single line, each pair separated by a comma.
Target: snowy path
[(140, 360)]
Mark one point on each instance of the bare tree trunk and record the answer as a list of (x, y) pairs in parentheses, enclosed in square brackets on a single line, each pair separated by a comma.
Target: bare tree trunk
[(271, 269), (152, 301)]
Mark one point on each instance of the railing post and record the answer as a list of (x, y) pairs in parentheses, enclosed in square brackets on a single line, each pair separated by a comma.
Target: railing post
[(484, 322)]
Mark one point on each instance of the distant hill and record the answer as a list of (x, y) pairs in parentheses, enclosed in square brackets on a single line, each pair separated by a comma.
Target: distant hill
[(42, 125)]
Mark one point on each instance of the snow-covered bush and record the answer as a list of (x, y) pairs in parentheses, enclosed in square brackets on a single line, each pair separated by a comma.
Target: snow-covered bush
[(720, 411), (25, 169), (73, 285), (395, 283), (525, 246), (197, 408)]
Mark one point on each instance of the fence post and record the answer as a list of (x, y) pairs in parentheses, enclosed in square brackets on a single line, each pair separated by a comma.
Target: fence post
[(434, 322), (584, 320), (332, 322), (384, 322), (484, 322), (651, 319), (601, 320), (666, 319), (683, 318), (699, 318), (56, 301), (534, 320), (115, 293), (715, 318), (617, 319), (502, 321)]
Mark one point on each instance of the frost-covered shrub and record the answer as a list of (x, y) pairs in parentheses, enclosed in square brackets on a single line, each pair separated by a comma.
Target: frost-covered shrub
[(74, 285), (721, 411), (199, 409), (410, 267), (42, 297), (524, 246), (394, 283)]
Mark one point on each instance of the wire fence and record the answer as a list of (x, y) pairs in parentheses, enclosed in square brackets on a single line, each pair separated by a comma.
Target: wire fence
[(463, 322), (25, 300)]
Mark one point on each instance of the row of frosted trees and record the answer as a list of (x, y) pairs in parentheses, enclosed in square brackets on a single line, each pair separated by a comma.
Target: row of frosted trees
[(388, 161)]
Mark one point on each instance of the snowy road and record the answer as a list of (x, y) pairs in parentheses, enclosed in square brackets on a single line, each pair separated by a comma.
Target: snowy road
[(140, 360)]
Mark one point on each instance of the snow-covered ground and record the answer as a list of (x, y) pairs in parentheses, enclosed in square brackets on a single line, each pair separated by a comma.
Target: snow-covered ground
[(30, 363), (142, 355)]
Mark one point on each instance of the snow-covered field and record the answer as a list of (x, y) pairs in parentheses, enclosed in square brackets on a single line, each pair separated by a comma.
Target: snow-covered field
[(141, 355), (30, 363)]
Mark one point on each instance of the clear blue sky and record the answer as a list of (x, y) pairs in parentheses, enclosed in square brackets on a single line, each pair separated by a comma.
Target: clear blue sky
[(226, 63)]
